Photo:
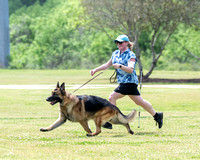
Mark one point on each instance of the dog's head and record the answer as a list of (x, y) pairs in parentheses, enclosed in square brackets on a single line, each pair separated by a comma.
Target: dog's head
[(57, 94)]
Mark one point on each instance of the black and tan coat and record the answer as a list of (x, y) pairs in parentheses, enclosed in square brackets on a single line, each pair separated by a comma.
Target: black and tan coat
[(77, 108)]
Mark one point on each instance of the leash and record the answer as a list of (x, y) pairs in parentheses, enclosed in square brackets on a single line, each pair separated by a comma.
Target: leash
[(140, 94), (114, 76), (87, 82)]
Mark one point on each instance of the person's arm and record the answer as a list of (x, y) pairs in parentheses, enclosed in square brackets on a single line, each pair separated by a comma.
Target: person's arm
[(102, 67), (128, 69)]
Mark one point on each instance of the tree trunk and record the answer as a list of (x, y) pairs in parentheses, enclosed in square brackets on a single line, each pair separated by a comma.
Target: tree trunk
[(137, 50), (155, 59)]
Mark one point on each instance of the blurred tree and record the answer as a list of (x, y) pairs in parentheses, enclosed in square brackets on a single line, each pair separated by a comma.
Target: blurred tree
[(159, 18), (49, 36), (14, 5), (17, 4), (28, 2), (42, 2)]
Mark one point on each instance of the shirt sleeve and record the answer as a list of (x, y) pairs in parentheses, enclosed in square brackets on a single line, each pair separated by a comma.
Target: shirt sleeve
[(132, 55), (113, 57)]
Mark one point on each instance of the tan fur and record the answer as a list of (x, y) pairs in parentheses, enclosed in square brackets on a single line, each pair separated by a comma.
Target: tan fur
[(73, 109)]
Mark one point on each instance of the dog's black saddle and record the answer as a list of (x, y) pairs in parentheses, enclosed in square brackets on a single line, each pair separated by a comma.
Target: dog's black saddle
[(94, 103)]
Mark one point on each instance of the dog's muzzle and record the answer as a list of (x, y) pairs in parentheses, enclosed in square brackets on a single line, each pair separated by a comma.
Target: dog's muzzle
[(53, 100)]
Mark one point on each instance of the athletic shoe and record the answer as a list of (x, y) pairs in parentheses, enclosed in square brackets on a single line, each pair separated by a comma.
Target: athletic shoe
[(107, 125), (159, 119)]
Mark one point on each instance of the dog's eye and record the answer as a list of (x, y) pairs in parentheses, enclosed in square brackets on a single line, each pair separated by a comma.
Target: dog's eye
[(54, 91)]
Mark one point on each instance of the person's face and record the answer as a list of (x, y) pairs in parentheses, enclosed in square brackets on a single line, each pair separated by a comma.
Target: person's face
[(122, 45)]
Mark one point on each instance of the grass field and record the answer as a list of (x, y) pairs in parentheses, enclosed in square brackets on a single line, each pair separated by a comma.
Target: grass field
[(21, 77), (24, 112)]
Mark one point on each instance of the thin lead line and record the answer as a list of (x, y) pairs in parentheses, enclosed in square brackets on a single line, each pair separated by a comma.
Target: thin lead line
[(87, 82)]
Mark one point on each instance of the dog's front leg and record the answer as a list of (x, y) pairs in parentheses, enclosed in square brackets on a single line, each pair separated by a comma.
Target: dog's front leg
[(56, 124)]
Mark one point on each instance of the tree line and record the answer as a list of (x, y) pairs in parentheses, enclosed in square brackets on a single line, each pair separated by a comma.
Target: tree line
[(48, 34)]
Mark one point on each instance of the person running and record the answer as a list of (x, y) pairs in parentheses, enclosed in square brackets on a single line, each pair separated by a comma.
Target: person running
[(124, 61)]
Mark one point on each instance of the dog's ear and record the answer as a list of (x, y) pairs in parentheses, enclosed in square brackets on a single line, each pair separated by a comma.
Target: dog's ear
[(62, 88), (58, 85)]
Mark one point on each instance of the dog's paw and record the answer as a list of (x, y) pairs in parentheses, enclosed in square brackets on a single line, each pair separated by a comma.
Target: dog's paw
[(131, 132), (43, 130), (89, 135)]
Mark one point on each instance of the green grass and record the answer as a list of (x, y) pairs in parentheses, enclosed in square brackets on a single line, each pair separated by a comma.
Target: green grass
[(175, 74), (24, 112), (21, 77)]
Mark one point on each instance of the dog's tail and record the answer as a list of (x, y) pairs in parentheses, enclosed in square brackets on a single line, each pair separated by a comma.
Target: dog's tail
[(127, 118)]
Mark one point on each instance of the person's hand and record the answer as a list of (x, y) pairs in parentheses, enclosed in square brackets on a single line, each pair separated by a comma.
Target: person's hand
[(92, 72), (116, 65)]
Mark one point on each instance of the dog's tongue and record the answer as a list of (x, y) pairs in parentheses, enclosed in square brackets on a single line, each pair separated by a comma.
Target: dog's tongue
[(53, 102)]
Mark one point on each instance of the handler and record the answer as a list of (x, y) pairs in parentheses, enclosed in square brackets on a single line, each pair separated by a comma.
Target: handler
[(124, 61)]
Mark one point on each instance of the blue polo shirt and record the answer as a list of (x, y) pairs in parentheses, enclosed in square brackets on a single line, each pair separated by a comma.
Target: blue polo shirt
[(124, 58)]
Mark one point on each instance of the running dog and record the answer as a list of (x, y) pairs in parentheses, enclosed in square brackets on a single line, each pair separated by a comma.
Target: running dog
[(84, 108)]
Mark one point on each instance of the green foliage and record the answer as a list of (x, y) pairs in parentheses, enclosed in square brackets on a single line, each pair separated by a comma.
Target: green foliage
[(99, 49), (14, 5), (56, 34), (174, 56), (189, 38)]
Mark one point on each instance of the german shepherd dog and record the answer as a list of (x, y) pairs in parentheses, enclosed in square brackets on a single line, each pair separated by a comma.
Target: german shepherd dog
[(84, 108)]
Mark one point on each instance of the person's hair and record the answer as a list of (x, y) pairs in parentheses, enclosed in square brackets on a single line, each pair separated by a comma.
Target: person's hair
[(130, 45)]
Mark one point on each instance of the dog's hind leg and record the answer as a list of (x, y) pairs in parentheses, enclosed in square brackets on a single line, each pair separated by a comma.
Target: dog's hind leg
[(85, 125), (128, 128), (98, 127)]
